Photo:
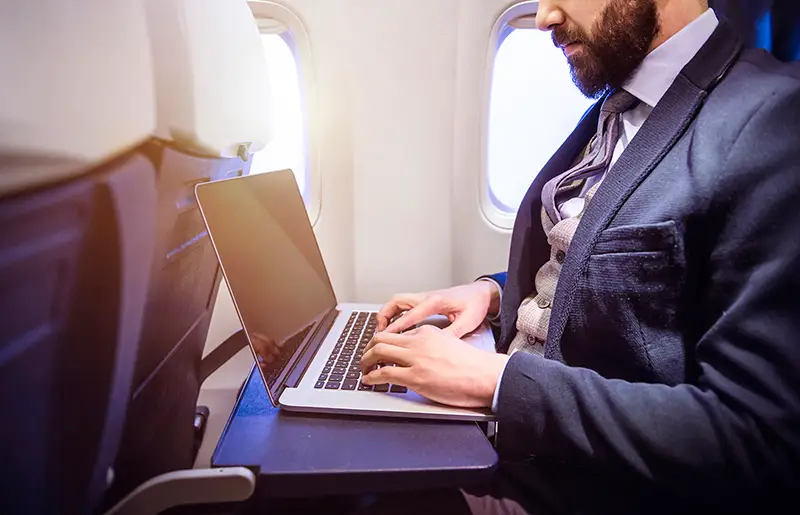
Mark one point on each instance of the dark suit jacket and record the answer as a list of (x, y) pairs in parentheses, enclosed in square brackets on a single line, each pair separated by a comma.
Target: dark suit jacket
[(672, 370)]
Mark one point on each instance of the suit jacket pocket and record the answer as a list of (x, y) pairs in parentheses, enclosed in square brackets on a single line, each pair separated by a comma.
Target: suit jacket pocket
[(631, 295), (638, 238)]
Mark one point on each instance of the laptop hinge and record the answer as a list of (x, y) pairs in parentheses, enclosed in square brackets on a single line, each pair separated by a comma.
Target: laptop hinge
[(314, 343)]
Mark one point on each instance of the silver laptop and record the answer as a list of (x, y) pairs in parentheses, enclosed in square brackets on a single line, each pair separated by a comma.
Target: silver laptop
[(308, 346)]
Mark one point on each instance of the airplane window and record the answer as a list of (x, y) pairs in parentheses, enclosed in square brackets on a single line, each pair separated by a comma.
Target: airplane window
[(288, 146), (533, 107)]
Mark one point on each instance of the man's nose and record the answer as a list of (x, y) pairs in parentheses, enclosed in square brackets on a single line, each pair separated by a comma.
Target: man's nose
[(549, 15)]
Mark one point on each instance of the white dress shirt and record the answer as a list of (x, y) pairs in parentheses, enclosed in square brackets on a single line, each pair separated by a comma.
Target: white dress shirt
[(649, 83)]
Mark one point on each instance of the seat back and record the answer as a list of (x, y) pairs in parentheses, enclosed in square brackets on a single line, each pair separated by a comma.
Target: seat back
[(211, 91), (770, 24), (77, 204)]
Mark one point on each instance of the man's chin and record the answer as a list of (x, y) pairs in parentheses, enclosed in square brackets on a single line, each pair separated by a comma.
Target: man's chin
[(590, 87)]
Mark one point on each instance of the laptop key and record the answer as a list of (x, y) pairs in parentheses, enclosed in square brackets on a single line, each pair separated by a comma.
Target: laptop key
[(349, 384), (336, 378), (381, 387), (331, 386), (326, 370), (323, 377), (355, 368), (320, 384), (339, 370), (396, 388), (353, 375), (365, 387)]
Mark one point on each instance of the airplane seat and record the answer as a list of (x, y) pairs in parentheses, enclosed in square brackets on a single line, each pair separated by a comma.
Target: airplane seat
[(212, 90), (773, 25), (77, 220)]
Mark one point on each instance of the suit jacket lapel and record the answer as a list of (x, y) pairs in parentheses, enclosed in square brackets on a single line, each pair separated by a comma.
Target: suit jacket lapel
[(665, 125), (528, 243)]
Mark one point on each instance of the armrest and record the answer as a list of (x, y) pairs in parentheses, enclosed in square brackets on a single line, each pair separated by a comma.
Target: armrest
[(185, 487)]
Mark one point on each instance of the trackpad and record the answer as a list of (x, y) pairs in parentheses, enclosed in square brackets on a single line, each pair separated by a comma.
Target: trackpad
[(439, 321), (481, 337)]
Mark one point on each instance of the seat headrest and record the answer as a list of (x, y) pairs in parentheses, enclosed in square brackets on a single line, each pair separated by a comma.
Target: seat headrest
[(77, 87), (212, 83)]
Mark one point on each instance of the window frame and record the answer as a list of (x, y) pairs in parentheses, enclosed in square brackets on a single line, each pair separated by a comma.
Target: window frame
[(300, 45), (489, 204)]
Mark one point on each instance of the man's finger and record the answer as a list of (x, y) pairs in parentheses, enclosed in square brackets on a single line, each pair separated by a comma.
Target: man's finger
[(462, 325), (430, 306), (398, 340), (388, 375), (395, 306), (385, 353)]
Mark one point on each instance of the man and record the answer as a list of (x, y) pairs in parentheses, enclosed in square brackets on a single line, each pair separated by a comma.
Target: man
[(652, 282)]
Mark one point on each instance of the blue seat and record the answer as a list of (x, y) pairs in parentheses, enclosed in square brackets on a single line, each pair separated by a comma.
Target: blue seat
[(77, 222), (211, 90), (770, 24)]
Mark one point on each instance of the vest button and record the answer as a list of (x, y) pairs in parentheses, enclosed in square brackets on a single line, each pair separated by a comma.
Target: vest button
[(560, 257), (542, 303)]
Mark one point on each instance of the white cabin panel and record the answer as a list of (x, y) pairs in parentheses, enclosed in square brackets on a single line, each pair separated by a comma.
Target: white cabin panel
[(396, 95)]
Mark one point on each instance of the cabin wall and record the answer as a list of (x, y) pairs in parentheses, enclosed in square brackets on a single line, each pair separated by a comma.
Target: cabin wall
[(399, 101)]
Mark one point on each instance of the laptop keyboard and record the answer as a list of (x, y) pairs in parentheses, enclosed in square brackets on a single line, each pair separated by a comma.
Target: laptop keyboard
[(343, 369)]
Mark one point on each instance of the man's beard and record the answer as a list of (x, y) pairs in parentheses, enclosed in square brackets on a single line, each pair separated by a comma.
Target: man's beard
[(621, 39)]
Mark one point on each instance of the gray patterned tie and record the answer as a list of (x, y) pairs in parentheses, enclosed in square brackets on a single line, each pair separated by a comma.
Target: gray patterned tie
[(601, 150)]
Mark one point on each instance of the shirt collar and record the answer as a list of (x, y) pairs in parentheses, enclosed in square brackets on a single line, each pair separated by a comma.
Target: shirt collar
[(661, 67)]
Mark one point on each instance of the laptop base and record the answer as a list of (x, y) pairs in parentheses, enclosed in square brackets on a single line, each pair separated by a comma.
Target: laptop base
[(306, 398)]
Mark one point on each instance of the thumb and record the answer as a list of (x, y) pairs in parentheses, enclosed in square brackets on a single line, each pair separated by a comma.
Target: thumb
[(464, 323)]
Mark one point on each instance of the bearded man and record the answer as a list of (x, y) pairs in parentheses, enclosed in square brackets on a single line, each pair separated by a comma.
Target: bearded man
[(652, 285)]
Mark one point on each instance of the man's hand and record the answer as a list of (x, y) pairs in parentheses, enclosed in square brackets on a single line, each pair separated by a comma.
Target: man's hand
[(466, 306), (435, 364), (267, 350)]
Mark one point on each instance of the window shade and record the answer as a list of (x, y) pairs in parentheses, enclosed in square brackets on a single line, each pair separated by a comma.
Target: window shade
[(524, 22), (270, 26)]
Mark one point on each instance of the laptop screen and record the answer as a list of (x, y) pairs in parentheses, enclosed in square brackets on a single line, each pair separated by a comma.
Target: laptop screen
[(271, 260)]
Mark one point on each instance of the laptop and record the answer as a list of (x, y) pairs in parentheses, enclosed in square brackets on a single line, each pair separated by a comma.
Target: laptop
[(308, 346)]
